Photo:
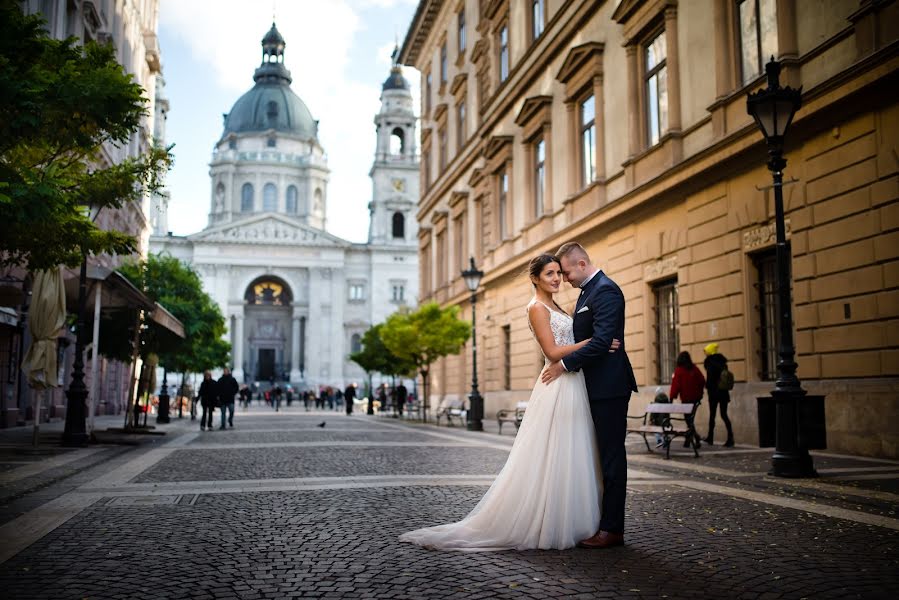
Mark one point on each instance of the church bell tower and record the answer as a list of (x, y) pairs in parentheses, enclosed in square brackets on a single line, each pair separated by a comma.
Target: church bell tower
[(394, 173)]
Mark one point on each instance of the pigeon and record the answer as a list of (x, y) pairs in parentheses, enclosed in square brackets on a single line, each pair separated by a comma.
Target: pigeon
[(322, 424)]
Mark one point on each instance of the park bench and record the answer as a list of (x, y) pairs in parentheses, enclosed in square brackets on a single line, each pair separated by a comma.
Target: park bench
[(511, 415), (449, 409), (672, 426)]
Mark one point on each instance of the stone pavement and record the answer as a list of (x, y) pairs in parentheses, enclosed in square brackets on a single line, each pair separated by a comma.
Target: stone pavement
[(281, 508)]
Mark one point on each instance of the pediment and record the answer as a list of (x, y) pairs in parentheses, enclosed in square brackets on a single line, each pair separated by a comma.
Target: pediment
[(268, 229)]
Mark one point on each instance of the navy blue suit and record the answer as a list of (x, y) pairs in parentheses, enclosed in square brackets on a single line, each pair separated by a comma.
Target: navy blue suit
[(599, 317)]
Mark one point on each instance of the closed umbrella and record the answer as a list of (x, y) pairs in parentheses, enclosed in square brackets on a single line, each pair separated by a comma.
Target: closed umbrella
[(47, 315)]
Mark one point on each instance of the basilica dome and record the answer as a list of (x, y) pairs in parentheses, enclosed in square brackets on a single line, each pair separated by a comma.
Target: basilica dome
[(271, 104)]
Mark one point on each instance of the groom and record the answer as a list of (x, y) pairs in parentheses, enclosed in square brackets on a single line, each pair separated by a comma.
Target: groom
[(599, 317)]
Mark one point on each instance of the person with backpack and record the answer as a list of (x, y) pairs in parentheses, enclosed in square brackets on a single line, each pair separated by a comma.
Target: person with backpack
[(688, 383), (719, 382)]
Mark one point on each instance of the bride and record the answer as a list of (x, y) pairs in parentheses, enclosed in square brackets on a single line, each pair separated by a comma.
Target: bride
[(548, 493)]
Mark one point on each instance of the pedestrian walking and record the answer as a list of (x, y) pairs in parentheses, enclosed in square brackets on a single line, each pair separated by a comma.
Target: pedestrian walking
[(718, 381), (208, 400), (245, 396), (382, 397), (338, 398), (277, 392), (228, 388), (688, 383), (349, 394), (400, 394)]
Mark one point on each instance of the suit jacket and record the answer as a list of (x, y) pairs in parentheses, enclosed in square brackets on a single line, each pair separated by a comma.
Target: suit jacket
[(599, 314)]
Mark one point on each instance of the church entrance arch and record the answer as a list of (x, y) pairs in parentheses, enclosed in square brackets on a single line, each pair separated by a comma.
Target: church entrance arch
[(268, 304)]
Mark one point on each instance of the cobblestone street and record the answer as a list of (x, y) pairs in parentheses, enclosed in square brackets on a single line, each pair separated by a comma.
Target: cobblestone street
[(281, 508)]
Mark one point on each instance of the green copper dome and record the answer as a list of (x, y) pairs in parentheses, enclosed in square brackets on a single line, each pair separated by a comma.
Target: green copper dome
[(271, 104)]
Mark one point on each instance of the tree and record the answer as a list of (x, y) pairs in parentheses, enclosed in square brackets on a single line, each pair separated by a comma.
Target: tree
[(177, 287), (376, 358), (60, 102), (423, 336)]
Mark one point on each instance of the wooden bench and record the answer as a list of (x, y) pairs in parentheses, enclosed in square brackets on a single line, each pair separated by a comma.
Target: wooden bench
[(511, 415), (450, 409), (672, 426)]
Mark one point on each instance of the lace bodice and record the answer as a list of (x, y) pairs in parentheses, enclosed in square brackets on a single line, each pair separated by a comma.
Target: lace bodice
[(559, 323)]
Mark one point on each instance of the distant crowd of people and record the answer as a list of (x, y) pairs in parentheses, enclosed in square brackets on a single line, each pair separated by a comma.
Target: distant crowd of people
[(224, 393)]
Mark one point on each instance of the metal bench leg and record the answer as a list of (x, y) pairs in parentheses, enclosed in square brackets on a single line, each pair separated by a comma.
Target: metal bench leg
[(648, 447), (668, 447)]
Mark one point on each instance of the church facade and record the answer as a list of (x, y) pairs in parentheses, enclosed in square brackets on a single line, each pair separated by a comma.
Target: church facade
[(297, 298)]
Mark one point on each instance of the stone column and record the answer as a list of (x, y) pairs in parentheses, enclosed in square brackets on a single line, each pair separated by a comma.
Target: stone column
[(634, 111), (295, 346), (673, 66), (237, 370), (314, 335)]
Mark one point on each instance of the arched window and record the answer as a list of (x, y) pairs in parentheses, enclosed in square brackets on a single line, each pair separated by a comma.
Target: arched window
[(270, 198), (246, 198), (291, 200), (317, 206), (219, 197), (399, 225), (356, 343), (397, 141)]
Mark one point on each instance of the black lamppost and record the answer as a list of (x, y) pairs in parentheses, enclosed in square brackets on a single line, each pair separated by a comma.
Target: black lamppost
[(773, 109), (472, 277), (75, 432)]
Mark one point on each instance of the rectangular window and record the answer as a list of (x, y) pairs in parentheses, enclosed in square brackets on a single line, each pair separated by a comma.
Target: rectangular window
[(503, 201), (428, 87), (357, 292), (426, 168), (667, 322), (504, 53), (656, 76), (441, 259), (539, 176), (588, 141), (537, 18), (459, 245), (398, 292), (507, 357), (768, 313), (758, 36), (443, 65), (461, 126), (424, 265), (462, 40), (441, 157)]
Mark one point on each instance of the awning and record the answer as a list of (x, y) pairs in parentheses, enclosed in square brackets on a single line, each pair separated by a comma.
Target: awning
[(117, 292), (163, 317)]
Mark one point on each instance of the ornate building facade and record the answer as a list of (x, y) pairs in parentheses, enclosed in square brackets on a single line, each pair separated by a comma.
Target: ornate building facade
[(623, 125), (298, 298)]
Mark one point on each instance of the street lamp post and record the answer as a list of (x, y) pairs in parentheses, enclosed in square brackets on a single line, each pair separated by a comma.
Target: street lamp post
[(472, 277), (75, 432), (773, 109)]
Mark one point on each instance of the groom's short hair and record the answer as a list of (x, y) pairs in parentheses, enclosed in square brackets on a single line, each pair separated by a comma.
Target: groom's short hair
[(574, 250)]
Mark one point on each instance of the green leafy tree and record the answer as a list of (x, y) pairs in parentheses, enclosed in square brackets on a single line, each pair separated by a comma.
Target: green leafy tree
[(423, 336), (375, 357), (60, 102)]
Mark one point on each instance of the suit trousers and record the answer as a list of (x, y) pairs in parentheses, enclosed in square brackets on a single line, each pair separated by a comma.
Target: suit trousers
[(610, 422)]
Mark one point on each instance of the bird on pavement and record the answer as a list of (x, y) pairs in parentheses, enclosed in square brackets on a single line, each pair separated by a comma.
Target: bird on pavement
[(322, 424)]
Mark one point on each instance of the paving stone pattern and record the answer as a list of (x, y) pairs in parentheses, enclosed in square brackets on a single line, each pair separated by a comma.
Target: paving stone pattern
[(161, 543), (314, 435), (343, 544), (287, 462)]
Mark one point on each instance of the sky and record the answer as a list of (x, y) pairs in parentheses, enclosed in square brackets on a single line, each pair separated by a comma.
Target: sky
[(338, 52)]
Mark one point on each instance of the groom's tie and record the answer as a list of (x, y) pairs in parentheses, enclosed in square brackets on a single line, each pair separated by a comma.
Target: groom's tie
[(580, 300)]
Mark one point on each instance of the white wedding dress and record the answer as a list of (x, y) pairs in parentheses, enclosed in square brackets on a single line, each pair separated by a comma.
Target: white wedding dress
[(548, 493)]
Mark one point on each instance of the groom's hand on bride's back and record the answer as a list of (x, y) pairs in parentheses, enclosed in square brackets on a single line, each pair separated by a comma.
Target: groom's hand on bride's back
[(552, 372), (616, 344)]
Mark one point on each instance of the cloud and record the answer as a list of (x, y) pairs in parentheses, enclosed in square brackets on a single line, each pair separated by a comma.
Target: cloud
[(224, 36)]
